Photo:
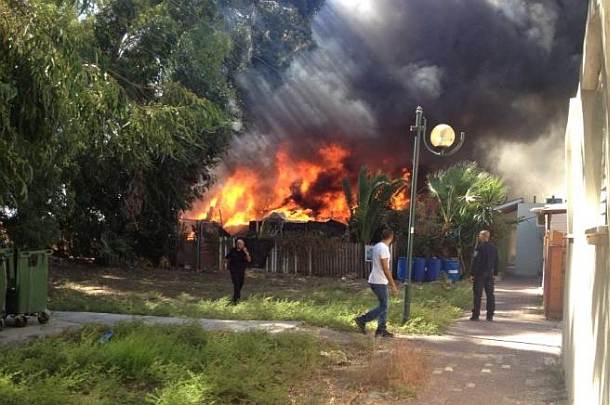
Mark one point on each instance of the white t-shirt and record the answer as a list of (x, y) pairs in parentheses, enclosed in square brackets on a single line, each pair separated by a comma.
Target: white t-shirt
[(380, 251)]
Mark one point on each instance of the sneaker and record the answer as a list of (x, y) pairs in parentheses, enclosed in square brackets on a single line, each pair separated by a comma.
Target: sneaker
[(490, 319), (361, 325), (384, 334), (474, 318)]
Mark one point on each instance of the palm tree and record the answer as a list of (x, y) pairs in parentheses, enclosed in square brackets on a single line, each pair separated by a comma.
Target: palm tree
[(467, 195), (372, 202)]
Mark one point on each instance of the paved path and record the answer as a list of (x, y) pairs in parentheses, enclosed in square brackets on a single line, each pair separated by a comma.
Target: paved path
[(61, 321), (513, 360)]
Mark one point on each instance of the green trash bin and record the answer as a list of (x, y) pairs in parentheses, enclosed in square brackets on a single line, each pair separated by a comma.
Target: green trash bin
[(27, 288), (7, 257)]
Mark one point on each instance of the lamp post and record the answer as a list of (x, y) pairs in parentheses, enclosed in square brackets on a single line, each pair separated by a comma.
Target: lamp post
[(443, 143)]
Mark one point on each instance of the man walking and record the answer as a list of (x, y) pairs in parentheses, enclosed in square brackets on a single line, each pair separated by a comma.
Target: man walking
[(237, 261), (380, 277), (484, 271)]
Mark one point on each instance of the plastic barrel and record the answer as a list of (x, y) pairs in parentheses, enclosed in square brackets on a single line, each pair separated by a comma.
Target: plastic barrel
[(401, 272), (452, 267), (433, 268), (419, 269)]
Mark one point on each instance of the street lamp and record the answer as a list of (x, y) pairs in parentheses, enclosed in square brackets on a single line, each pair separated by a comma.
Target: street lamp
[(442, 143)]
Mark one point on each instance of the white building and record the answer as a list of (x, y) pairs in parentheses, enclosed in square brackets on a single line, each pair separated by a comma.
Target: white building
[(586, 342)]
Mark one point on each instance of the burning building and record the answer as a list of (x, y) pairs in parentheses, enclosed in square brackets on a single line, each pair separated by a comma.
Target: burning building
[(301, 187)]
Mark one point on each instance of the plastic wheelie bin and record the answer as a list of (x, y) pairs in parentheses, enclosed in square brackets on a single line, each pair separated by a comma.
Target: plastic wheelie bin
[(27, 287), (6, 262)]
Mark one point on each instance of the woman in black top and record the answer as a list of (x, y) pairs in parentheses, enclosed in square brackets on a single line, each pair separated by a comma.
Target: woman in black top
[(237, 260)]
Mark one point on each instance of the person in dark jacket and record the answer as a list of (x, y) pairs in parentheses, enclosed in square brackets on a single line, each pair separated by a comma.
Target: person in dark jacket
[(237, 260), (484, 271)]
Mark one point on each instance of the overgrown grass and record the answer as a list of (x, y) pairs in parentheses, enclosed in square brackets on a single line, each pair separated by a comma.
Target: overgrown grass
[(157, 365), (333, 303)]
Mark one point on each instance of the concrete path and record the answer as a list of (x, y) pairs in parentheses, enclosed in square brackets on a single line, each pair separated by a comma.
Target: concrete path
[(61, 321), (513, 360)]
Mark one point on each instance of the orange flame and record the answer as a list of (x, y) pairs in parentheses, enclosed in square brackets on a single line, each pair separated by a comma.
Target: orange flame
[(400, 200), (300, 189), (248, 194)]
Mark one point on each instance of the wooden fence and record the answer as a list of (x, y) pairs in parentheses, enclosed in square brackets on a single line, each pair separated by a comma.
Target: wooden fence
[(334, 259), (337, 260), (329, 259)]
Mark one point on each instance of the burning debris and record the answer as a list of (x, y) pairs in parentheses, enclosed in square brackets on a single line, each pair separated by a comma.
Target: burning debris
[(301, 188)]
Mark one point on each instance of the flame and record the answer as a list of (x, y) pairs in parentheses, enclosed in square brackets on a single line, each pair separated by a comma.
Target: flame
[(249, 194), (400, 200), (301, 189)]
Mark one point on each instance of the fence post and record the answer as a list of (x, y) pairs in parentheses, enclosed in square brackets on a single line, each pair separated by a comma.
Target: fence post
[(310, 264), (274, 251), (221, 244)]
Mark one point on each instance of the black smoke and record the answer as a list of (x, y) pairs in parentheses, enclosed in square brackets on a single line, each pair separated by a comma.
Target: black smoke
[(501, 70)]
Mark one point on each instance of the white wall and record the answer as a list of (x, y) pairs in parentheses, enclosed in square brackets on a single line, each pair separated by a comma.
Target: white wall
[(559, 223), (586, 332)]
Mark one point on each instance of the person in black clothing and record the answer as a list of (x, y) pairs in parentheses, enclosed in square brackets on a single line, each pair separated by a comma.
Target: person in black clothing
[(237, 260), (484, 271)]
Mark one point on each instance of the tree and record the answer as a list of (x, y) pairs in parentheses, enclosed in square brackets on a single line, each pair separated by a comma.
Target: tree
[(271, 31), (82, 128), (372, 203), (467, 196), (114, 113)]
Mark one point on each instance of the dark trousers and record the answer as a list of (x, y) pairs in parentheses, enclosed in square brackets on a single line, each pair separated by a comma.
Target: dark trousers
[(237, 277), (484, 282), (381, 311)]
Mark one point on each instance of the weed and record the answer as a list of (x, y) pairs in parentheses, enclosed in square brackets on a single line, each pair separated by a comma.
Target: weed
[(158, 365), (400, 369)]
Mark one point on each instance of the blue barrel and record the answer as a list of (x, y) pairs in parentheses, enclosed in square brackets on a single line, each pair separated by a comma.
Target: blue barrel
[(433, 268), (401, 271), (419, 269), (452, 267)]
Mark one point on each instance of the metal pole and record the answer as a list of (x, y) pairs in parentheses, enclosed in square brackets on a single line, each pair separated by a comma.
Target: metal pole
[(419, 130)]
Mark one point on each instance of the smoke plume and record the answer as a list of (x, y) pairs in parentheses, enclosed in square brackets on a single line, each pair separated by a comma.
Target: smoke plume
[(501, 70)]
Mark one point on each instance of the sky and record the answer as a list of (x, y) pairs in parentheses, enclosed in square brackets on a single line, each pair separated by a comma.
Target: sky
[(503, 71)]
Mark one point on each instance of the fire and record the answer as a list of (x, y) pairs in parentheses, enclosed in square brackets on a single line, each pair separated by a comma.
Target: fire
[(292, 188), (299, 188), (400, 200)]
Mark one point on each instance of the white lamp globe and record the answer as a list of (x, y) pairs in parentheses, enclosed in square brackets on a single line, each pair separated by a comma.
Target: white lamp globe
[(442, 136)]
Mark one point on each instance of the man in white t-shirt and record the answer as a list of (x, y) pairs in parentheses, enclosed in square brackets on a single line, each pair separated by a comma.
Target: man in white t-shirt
[(380, 278)]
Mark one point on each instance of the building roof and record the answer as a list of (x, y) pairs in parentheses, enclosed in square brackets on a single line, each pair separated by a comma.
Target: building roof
[(551, 209), (509, 206)]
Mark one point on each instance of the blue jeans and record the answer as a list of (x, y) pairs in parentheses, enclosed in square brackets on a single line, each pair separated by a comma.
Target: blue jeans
[(381, 312)]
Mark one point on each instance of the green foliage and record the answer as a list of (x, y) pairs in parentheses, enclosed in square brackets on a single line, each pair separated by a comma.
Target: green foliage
[(372, 203), (114, 113), (157, 365), (467, 196), (88, 119), (272, 31), (330, 303)]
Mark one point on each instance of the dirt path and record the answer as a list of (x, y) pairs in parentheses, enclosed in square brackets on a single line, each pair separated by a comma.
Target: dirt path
[(513, 360)]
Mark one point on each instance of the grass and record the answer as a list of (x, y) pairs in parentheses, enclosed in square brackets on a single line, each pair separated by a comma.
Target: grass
[(158, 365), (400, 370), (316, 301)]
